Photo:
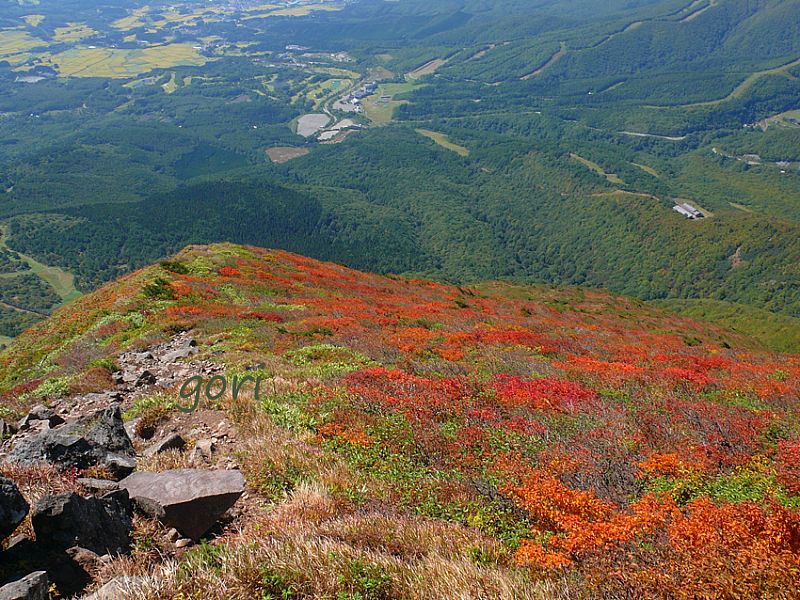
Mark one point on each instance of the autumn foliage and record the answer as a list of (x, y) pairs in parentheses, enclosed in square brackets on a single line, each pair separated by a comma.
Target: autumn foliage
[(645, 454)]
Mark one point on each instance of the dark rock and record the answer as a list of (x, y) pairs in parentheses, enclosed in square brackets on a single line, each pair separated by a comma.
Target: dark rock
[(31, 587), (19, 540), (6, 430), (13, 507), (39, 413), (146, 378), (89, 562), (171, 442), (119, 466), (98, 439), (190, 500), (64, 572), (102, 525)]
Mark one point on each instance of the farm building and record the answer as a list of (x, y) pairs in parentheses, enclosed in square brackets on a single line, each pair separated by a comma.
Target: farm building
[(688, 211)]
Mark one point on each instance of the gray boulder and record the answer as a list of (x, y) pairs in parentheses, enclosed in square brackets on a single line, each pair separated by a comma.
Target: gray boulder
[(119, 587), (40, 413), (13, 507), (190, 500), (185, 350), (102, 525), (97, 439), (31, 587)]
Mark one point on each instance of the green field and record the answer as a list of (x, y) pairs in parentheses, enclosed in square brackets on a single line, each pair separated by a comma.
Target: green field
[(61, 281), (381, 113), (780, 333)]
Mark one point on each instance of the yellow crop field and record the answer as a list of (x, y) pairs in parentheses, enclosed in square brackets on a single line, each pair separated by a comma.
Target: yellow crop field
[(294, 11), (123, 63), (15, 43), (262, 7), (33, 20), (73, 32), (133, 20)]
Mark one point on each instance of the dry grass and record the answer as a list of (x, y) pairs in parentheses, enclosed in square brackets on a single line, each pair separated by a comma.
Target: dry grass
[(35, 482), (311, 542), (427, 69), (307, 562)]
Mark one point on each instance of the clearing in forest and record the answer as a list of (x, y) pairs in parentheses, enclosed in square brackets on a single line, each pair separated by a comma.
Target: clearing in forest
[(426, 69), (613, 178), (282, 154), (444, 141), (550, 61)]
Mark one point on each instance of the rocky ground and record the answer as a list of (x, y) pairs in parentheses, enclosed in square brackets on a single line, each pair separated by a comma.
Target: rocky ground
[(64, 538)]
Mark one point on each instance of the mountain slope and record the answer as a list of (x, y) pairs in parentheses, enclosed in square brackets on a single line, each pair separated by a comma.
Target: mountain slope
[(413, 440)]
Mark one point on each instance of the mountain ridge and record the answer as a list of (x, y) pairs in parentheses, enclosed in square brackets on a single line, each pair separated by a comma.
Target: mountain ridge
[(410, 438)]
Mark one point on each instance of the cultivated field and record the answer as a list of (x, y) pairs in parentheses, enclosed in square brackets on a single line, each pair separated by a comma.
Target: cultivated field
[(123, 63), (282, 154), (15, 45), (73, 32)]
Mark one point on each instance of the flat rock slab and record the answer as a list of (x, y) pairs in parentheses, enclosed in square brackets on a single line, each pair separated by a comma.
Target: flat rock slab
[(190, 500)]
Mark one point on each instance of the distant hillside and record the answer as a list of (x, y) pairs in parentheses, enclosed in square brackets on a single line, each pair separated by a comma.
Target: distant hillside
[(778, 332), (543, 141)]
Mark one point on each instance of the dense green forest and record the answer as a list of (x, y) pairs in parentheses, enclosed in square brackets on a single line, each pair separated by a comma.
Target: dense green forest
[(577, 127)]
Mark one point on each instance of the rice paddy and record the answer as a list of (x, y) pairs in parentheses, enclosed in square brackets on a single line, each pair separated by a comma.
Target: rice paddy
[(123, 63), (15, 45), (73, 32)]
